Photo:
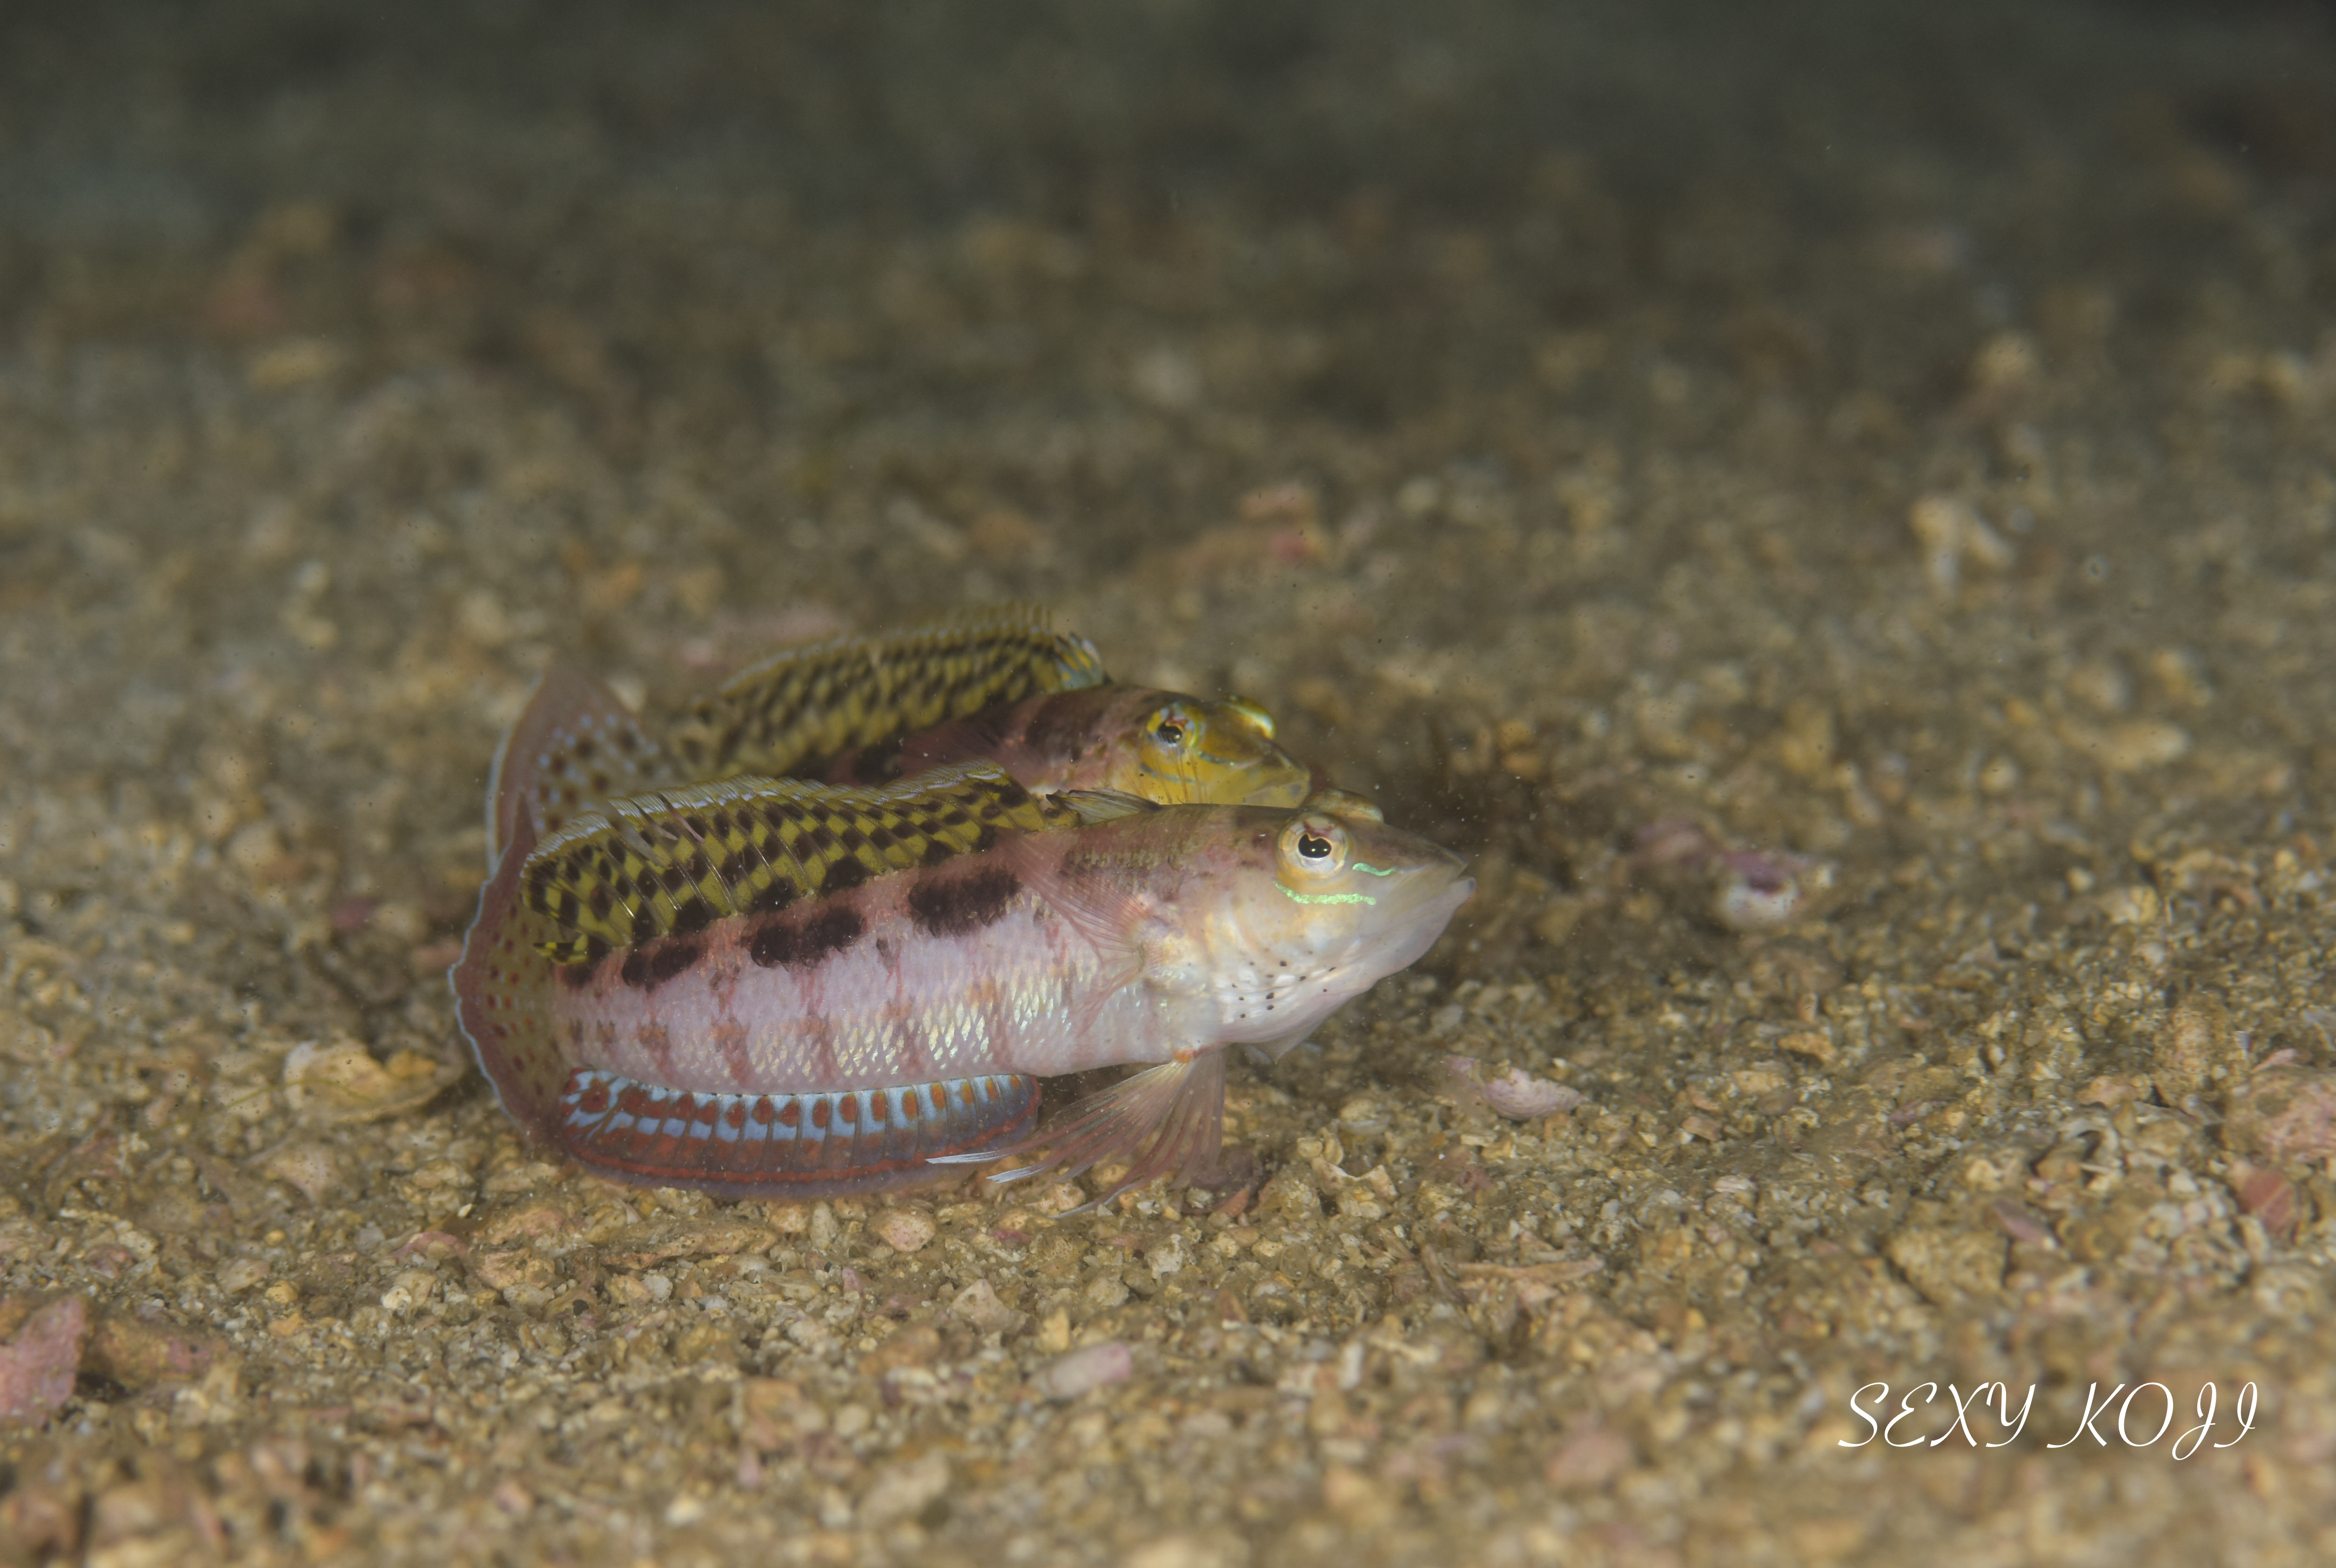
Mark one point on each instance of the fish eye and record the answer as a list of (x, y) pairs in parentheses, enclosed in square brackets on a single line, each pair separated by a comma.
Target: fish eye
[(1171, 729), (1315, 847)]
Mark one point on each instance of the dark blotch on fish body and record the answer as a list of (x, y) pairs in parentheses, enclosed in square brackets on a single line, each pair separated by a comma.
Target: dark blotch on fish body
[(844, 874), (955, 906), (647, 969), (799, 943)]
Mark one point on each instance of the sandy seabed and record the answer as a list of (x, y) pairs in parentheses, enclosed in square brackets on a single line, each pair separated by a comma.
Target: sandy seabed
[(1832, 507)]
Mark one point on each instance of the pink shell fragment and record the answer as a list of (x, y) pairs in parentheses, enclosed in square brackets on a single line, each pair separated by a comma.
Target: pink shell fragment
[(37, 1366), (1519, 1095), (1521, 1098)]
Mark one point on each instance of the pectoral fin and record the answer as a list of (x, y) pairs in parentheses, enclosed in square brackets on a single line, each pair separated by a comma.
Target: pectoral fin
[(1166, 1121)]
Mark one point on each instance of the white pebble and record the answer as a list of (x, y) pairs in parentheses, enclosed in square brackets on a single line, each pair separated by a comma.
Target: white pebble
[(1095, 1367), (980, 1305), (905, 1230), (1521, 1098)]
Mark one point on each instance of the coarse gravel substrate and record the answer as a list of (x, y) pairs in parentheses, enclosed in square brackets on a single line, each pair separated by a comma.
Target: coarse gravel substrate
[(1831, 507)]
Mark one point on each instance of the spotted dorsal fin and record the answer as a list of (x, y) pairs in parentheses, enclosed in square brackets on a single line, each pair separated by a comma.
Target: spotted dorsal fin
[(785, 716), (671, 861)]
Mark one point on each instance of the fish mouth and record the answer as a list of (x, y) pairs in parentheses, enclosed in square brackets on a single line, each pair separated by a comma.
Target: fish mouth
[(1408, 929)]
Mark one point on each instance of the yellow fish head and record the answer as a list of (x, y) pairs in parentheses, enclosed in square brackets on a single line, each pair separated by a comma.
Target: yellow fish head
[(1190, 752)]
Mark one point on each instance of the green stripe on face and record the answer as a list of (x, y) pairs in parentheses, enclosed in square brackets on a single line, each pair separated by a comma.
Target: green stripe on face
[(1329, 897)]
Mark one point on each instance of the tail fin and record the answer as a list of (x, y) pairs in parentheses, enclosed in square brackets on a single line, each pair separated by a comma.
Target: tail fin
[(575, 745), (502, 994)]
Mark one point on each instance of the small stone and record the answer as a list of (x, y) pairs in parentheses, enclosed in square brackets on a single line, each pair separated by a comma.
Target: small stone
[(305, 1167), (2194, 1051), (409, 1289), (255, 849), (141, 1353), (2142, 744), (905, 1230), (1950, 1267), (1292, 1195), (343, 1083), (917, 1345), (1521, 1098), (524, 1223), (2112, 1090), (2285, 1114), (1183, 1552), (2130, 906), (1952, 535), (1093, 1367), (1809, 1043), (979, 1305), (2266, 1194), (905, 1490), (1590, 1459), (1761, 893), (38, 1365)]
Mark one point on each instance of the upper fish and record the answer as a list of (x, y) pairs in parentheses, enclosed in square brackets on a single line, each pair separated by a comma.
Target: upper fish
[(1001, 685)]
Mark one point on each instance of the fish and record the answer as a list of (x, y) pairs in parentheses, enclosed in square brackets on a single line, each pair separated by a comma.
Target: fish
[(762, 987), (790, 714), (1163, 746), (999, 685)]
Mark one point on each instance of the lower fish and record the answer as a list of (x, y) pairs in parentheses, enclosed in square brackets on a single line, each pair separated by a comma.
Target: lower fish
[(759, 987)]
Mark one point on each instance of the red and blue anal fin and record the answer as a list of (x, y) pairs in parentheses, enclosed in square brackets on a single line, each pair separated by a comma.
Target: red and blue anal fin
[(807, 1146)]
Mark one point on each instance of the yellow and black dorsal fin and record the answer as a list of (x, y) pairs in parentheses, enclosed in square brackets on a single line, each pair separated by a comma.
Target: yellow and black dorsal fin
[(671, 861), (810, 704)]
